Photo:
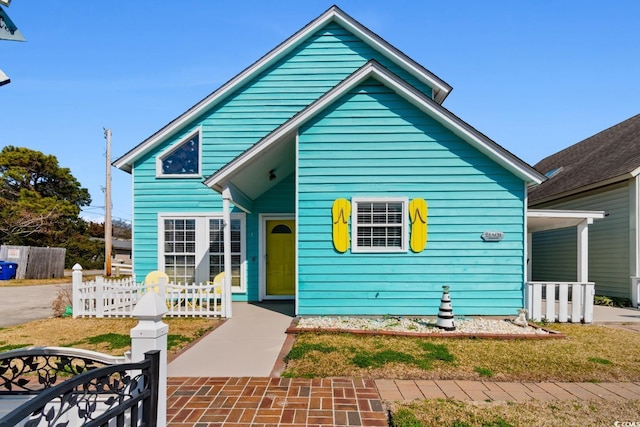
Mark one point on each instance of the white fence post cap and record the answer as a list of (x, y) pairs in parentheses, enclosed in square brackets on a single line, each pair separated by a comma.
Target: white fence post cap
[(150, 307), (77, 267)]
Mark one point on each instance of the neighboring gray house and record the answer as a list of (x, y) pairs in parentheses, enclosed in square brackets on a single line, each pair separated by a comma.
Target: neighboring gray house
[(599, 173)]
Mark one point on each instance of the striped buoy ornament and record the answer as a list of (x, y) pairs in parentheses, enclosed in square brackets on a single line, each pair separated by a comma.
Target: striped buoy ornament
[(445, 314)]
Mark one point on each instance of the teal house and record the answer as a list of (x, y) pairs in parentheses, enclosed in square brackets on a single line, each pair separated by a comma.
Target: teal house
[(329, 173)]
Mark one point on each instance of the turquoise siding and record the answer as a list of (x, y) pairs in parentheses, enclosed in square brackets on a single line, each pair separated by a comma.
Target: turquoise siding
[(373, 143), (239, 121)]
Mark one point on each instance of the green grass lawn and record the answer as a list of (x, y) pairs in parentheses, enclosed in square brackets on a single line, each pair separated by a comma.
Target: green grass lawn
[(109, 335), (588, 353)]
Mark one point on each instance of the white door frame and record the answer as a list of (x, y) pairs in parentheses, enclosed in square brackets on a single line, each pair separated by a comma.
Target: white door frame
[(263, 218)]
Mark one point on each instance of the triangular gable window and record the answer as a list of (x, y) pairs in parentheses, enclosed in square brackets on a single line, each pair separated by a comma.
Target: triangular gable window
[(183, 160)]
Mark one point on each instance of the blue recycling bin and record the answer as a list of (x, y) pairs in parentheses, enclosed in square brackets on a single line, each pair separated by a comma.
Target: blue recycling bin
[(8, 270)]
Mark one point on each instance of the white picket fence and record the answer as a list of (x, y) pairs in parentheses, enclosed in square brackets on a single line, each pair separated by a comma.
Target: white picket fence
[(118, 297), (560, 301), (121, 269)]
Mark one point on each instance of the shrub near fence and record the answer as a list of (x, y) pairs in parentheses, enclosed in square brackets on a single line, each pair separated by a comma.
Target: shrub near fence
[(118, 297)]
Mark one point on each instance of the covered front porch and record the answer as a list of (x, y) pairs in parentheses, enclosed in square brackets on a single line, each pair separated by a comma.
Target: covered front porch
[(557, 301), (244, 183)]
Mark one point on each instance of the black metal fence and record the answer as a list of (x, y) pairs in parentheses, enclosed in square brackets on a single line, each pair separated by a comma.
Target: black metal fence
[(74, 388)]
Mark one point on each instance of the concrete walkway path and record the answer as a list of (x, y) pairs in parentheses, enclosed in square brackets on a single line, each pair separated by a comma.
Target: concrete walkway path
[(604, 314), (247, 345), (406, 390)]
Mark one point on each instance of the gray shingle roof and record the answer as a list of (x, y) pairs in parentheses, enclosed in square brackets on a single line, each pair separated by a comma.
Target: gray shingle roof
[(609, 154)]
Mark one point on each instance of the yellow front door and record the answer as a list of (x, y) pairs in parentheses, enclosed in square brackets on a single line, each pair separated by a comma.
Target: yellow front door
[(280, 259)]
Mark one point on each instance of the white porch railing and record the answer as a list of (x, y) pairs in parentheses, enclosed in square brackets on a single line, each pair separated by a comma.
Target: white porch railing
[(117, 298), (560, 301)]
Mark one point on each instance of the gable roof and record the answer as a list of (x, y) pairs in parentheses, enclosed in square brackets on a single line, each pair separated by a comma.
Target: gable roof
[(282, 136), (334, 14), (604, 158)]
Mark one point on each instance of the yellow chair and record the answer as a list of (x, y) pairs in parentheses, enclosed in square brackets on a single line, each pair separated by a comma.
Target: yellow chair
[(218, 284), (153, 278)]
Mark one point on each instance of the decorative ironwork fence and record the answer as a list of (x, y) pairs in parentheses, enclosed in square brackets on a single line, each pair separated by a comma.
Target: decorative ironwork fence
[(78, 387)]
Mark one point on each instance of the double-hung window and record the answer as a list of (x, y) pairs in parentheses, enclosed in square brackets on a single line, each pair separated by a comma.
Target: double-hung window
[(379, 224), (191, 248), (180, 250)]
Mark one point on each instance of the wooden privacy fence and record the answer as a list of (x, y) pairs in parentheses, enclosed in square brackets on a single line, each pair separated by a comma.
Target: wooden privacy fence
[(117, 298), (34, 262), (560, 301)]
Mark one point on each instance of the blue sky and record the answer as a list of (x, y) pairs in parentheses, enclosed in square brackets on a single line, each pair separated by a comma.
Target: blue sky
[(535, 76)]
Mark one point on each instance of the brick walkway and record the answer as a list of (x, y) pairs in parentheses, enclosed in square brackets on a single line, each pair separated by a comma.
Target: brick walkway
[(273, 401), (252, 401), (391, 390)]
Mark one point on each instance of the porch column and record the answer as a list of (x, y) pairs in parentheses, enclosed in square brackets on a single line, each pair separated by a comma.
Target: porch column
[(583, 251), (528, 257), (226, 216), (634, 235), (586, 290)]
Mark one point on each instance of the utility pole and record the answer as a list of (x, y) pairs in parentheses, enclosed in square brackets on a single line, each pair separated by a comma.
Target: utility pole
[(107, 209)]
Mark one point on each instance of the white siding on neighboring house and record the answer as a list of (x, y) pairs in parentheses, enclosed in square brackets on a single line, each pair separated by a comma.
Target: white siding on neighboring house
[(554, 252)]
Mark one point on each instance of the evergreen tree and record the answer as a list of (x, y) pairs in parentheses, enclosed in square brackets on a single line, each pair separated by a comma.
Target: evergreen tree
[(40, 201)]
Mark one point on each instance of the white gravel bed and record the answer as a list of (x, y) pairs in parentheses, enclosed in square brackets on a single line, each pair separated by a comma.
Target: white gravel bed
[(418, 325)]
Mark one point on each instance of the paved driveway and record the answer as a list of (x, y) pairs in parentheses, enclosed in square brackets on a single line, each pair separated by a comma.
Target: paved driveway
[(20, 304)]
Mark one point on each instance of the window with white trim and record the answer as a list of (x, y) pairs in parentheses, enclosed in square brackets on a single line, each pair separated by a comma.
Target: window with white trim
[(216, 250), (379, 224), (181, 160), (192, 248), (180, 250)]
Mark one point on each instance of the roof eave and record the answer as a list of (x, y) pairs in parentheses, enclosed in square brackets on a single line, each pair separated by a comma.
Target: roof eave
[(412, 95), (440, 88), (584, 188), (561, 213)]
